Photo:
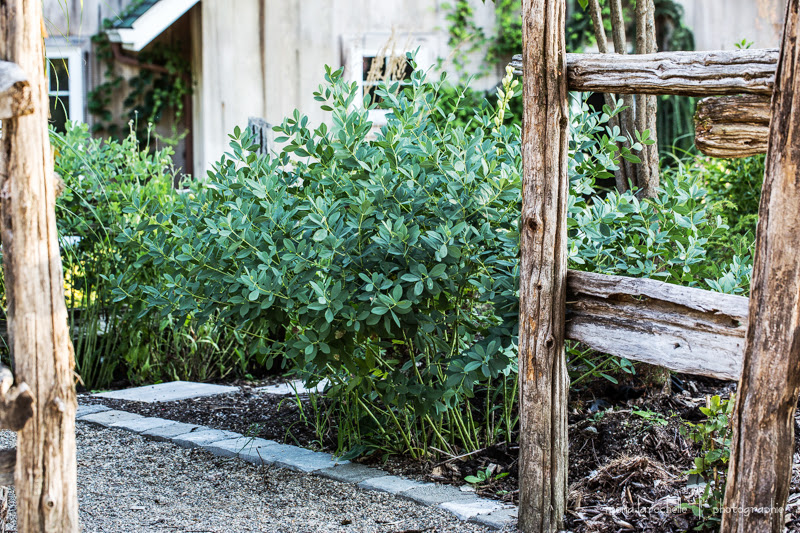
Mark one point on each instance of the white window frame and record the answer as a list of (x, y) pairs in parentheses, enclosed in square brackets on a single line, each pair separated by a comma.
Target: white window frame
[(77, 96), (368, 45)]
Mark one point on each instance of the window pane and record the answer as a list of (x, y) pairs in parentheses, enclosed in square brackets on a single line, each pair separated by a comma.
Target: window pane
[(59, 112), (59, 74), (366, 63)]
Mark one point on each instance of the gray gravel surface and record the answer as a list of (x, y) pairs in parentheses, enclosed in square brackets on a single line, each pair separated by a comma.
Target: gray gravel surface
[(127, 483)]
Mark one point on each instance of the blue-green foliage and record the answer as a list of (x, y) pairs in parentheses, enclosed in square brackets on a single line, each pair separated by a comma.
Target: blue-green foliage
[(388, 262), (734, 192), (374, 262)]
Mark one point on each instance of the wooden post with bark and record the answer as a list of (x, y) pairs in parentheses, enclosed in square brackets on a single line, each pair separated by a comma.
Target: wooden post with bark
[(45, 479), (763, 439), (544, 382)]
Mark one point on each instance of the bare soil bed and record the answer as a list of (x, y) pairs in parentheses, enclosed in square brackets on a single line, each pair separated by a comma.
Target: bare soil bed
[(626, 469)]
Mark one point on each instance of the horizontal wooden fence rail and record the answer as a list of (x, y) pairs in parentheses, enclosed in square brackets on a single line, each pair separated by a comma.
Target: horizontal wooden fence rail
[(680, 73), (15, 91), (732, 126), (686, 330)]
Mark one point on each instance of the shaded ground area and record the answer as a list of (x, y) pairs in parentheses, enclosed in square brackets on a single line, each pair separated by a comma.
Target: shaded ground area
[(627, 453)]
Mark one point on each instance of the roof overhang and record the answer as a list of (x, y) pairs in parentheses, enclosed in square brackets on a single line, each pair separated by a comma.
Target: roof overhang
[(150, 24)]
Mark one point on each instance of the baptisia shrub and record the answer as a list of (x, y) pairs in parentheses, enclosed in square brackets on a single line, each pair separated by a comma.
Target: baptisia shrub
[(388, 262), (384, 264)]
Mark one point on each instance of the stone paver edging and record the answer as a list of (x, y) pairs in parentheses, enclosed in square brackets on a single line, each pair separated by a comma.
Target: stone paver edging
[(167, 392), (464, 505)]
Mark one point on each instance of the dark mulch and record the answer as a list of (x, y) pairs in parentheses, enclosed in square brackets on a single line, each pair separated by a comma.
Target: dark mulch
[(627, 453), (247, 412)]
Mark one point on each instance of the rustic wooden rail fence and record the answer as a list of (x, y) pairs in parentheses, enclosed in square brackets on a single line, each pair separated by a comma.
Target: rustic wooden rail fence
[(687, 330), (755, 108), (680, 73), (736, 125)]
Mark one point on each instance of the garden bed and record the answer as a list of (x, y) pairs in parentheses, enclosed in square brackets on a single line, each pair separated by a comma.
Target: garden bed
[(628, 454)]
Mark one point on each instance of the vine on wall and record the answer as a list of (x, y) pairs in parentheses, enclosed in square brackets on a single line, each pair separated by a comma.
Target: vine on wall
[(148, 95), (508, 41), (466, 37)]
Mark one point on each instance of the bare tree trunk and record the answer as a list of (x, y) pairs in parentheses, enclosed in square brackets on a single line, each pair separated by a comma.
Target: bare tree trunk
[(628, 115), (648, 176), (763, 437), (596, 12), (544, 382), (37, 315)]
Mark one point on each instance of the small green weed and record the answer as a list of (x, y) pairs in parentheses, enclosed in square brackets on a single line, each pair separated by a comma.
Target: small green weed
[(654, 419), (714, 438), (485, 476)]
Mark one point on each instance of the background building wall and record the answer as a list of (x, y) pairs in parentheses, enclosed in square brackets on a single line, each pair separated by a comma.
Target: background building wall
[(718, 24), (265, 58)]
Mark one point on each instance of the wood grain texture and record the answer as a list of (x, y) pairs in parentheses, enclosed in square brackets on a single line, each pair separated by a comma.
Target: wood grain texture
[(713, 73), (732, 126), (544, 382), (686, 330), (15, 91), (762, 446), (45, 479)]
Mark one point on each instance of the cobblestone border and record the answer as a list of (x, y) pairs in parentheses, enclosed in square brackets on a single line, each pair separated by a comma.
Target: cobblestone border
[(464, 505)]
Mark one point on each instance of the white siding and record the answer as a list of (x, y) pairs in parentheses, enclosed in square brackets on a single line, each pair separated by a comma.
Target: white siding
[(78, 19), (718, 24), (266, 58)]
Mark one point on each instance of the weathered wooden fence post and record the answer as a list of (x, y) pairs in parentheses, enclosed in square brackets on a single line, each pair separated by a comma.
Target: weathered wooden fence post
[(763, 439), (37, 317), (544, 382)]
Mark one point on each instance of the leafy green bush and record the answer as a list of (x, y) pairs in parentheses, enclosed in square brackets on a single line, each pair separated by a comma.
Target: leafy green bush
[(374, 263), (734, 191), (110, 337), (389, 264), (732, 194)]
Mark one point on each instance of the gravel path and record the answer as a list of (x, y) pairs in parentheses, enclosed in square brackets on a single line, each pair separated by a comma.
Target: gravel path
[(127, 483)]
